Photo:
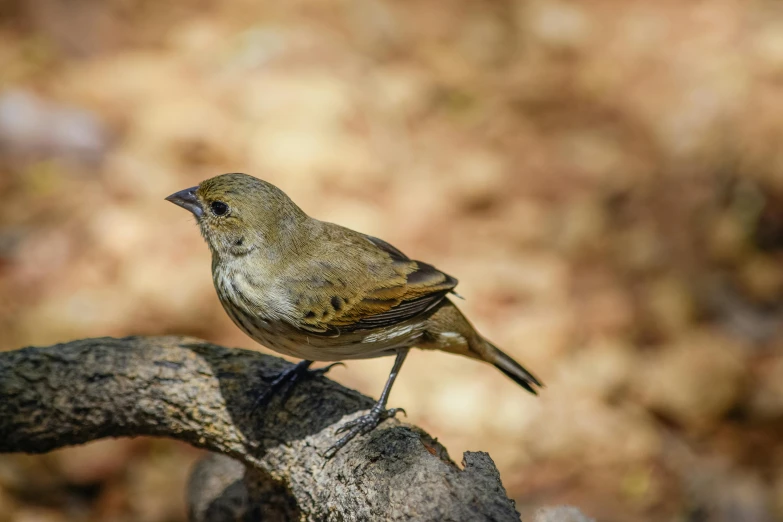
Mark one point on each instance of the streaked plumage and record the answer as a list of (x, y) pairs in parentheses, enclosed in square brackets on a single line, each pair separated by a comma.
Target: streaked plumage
[(322, 292)]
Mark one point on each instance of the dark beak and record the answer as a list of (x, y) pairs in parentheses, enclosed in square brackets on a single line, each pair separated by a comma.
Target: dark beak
[(187, 199)]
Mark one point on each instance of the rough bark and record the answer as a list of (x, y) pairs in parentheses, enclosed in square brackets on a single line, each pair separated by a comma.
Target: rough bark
[(202, 394)]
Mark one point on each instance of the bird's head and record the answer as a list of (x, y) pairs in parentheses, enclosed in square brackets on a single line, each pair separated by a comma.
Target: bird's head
[(239, 214)]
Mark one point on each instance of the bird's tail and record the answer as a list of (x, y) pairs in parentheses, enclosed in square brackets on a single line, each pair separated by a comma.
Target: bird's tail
[(511, 368), (450, 331)]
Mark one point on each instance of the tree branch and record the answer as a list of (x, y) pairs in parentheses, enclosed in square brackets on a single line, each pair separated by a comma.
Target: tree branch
[(202, 394)]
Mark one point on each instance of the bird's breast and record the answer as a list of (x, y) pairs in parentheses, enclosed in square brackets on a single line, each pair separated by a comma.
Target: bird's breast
[(252, 290)]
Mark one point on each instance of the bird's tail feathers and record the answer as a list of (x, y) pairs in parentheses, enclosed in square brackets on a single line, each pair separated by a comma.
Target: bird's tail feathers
[(450, 331), (513, 369)]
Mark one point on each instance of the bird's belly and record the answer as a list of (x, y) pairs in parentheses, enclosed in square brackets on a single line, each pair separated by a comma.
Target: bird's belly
[(361, 344)]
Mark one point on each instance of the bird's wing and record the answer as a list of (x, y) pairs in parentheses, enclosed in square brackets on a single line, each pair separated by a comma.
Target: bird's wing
[(380, 287)]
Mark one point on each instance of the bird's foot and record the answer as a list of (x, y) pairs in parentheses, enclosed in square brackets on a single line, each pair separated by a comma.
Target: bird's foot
[(361, 426), (285, 381)]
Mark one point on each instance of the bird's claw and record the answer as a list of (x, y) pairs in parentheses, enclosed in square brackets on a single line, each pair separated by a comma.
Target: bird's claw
[(322, 371), (361, 426), (371, 420), (285, 381)]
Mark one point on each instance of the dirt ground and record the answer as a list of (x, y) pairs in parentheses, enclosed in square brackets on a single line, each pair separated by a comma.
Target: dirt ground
[(605, 178)]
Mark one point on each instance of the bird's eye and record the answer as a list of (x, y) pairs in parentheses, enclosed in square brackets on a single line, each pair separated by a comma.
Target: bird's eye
[(219, 208)]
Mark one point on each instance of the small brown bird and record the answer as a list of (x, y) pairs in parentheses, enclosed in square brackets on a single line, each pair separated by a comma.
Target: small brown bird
[(321, 292)]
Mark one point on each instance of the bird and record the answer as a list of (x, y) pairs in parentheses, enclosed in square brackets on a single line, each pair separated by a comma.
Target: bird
[(318, 291)]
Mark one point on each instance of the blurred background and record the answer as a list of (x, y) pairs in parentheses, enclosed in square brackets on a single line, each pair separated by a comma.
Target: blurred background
[(605, 178)]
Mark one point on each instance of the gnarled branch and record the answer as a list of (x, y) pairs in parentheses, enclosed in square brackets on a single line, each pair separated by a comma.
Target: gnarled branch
[(202, 394)]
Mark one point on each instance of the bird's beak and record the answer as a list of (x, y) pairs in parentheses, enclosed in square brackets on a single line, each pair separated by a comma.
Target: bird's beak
[(187, 199)]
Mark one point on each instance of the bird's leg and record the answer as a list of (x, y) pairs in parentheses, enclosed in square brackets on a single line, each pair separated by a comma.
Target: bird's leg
[(286, 379), (378, 413)]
